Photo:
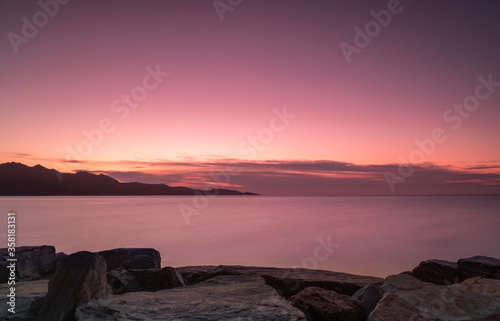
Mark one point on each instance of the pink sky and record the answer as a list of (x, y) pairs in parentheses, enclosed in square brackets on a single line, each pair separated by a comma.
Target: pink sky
[(229, 79)]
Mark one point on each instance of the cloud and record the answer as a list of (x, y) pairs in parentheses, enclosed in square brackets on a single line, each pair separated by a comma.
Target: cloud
[(322, 177), (301, 177)]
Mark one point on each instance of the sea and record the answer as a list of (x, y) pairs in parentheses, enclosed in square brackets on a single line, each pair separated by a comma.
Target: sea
[(367, 235)]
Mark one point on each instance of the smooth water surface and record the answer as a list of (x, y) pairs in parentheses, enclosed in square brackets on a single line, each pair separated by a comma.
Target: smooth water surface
[(367, 235)]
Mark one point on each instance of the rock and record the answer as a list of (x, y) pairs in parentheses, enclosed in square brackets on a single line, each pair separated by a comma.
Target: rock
[(244, 297), (60, 258), (5, 271), (292, 281), (33, 262), (483, 286), (407, 298), (29, 298), (369, 295), (144, 280), (80, 279), (324, 305), (287, 281), (438, 272), (132, 258), (197, 274), (483, 266)]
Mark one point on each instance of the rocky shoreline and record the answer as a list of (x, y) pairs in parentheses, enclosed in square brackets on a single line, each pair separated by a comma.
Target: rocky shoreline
[(129, 284)]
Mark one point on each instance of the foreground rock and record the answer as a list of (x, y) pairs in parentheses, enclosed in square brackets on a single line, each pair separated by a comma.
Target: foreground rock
[(33, 262), (292, 281), (244, 297), (323, 305), (132, 258), (197, 274), (80, 279), (369, 296), (407, 298), (483, 266), (29, 298), (438, 272), (286, 281), (144, 280), (446, 273)]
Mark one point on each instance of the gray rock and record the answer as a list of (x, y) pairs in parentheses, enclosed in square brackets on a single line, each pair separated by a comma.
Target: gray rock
[(33, 262), (224, 298), (369, 295), (29, 298), (60, 258), (438, 272), (197, 274), (122, 281), (80, 279), (293, 281), (483, 266), (407, 298), (323, 305), (5, 270), (132, 258), (287, 281)]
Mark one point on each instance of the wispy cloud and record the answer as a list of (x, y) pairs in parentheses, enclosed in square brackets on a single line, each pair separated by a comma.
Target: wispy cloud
[(299, 177)]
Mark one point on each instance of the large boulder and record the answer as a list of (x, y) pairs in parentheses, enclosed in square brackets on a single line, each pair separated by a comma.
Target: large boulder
[(132, 258), (369, 295), (484, 266), (286, 281), (122, 281), (222, 298), (60, 258), (29, 299), (323, 305), (33, 262), (407, 298), (80, 279), (292, 281), (438, 272), (197, 274)]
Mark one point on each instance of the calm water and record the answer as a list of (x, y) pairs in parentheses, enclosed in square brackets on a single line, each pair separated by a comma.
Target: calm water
[(368, 235)]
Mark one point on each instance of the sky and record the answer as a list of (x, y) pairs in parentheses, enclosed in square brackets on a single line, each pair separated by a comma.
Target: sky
[(282, 97)]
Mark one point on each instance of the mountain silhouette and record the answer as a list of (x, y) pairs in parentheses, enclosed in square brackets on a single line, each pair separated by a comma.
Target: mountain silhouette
[(17, 179)]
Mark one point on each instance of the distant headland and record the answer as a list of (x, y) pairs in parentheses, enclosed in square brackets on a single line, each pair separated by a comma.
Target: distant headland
[(17, 179)]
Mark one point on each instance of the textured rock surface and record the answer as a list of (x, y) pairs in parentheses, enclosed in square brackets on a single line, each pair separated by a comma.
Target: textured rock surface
[(132, 258), (324, 305), (286, 281), (144, 280), (81, 278), (33, 262), (60, 258), (220, 298), (369, 296), (197, 274), (407, 298), (29, 298), (293, 281), (484, 266), (438, 272)]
